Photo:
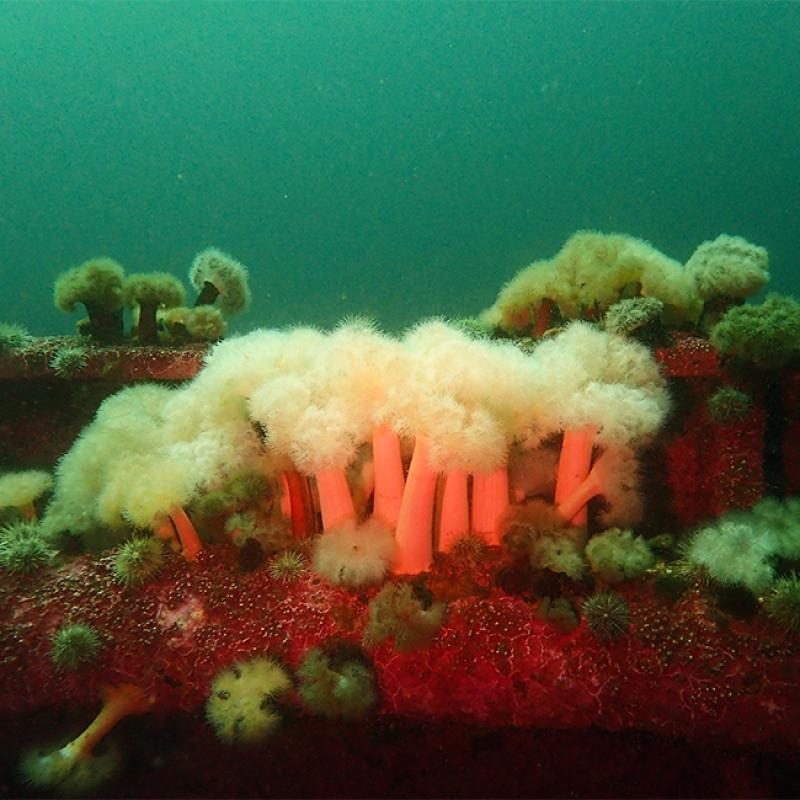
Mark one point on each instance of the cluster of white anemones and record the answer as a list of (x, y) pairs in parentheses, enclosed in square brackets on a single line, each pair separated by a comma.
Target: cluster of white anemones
[(433, 405)]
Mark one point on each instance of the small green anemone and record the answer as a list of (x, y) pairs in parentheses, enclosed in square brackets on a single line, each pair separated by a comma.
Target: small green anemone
[(75, 645), (287, 566), (13, 336), (607, 615), (23, 548), (138, 560), (68, 361)]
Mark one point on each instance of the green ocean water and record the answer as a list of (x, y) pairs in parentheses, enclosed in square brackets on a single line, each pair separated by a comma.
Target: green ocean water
[(400, 159)]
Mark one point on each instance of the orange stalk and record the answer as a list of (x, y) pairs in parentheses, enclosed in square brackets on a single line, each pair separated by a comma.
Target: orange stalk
[(335, 500), (389, 480), (573, 466), (285, 500), (489, 503), (454, 510), (293, 488), (414, 534), (190, 541), (118, 702), (570, 508)]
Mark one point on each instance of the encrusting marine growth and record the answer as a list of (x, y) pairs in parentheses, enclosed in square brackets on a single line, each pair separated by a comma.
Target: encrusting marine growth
[(343, 523)]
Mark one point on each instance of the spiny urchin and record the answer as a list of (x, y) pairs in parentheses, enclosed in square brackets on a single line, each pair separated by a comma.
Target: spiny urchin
[(287, 566), (13, 336), (470, 548), (607, 615), (783, 603), (23, 548), (75, 645), (138, 560), (68, 360)]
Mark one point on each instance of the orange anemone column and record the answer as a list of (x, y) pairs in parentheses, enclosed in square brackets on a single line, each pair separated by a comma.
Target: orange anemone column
[(296, 505), (414, 533), (389, 479), (574, 463), (571, 507), (118, 702), (454, 510), (190, 541), (489, 503), (335, 499)]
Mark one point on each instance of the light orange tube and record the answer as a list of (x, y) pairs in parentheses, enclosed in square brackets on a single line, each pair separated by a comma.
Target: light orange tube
[(164, 529), (293, 486), (335, 500), (118, 702), (489, 503), (454, 510), (571, 506), (574, 463), (414, 533), (389, 479), (190, 541), (285, 500)]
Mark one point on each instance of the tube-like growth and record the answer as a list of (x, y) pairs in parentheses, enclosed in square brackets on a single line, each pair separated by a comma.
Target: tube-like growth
[(413, 534), (489, 503), (573, 466), (389, 478), (298, 503), (74, 769), (453, 510), (614, 476), (606, 390), (335, 498), (190, 541)]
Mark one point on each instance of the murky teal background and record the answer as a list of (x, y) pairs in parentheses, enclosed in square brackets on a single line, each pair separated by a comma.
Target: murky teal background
[(402, 159)]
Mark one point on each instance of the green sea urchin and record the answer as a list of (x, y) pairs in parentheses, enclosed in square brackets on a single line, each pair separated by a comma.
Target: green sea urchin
[(68, 361), (13, 337), (23, 549), (607, 615), (75, 645), (288, 566), (138, 560)]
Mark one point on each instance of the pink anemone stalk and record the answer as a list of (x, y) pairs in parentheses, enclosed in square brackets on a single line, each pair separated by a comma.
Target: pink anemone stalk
[(607, 391)]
